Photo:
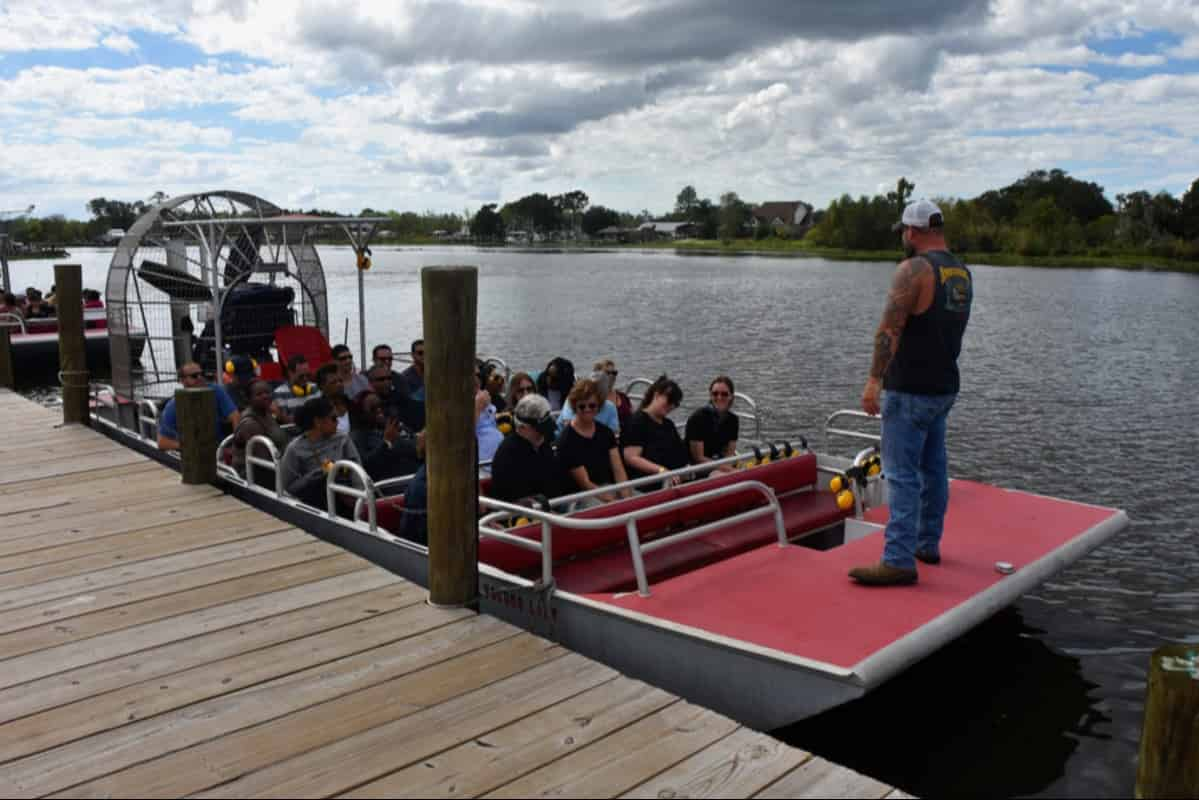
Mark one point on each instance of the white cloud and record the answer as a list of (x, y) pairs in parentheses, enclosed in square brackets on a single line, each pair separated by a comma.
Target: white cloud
[(119, 42)]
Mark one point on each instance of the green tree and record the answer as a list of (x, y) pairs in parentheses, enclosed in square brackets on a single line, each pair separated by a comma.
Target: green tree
[(903, 190), (596, 218), (1189, 211), (572, 204), (686, 203), (734, 214), (487, 225)]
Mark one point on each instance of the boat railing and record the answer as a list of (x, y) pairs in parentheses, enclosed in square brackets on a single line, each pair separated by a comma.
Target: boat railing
[(272, 462), (752, 416), (637, 549), (8, 319), (850, 413), (222, 469), (147, 419), (364, 495)]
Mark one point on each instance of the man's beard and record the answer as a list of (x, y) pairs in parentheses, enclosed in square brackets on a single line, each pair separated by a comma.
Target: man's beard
[(909, 250)]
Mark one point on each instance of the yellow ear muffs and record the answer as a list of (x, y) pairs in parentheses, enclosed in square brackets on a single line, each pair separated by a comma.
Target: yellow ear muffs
[(302, 391), (229, 367)]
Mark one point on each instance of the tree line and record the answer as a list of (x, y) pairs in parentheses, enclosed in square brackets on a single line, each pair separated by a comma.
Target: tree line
[(1045, 213)]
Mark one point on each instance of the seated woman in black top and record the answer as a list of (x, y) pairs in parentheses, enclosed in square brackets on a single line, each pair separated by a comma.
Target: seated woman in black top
[(712, 430), (587, 450), (652, 443), (524, 464)]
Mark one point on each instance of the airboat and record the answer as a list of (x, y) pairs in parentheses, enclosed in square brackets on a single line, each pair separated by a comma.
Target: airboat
[(729, 589)]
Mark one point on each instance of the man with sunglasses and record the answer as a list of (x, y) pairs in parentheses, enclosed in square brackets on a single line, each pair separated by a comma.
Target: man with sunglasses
[(414, 384), (352, 382), (524, 464), (192, 377)]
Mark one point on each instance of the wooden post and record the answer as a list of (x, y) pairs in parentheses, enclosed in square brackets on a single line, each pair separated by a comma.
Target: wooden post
[(7, 379), (195, 415), (1169, 761), (450, 303), (72, 358)]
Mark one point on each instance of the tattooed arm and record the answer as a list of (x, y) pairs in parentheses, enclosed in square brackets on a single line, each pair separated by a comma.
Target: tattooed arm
[(911, 279)]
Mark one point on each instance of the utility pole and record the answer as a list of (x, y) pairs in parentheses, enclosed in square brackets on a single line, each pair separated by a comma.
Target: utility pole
[(5, 218)]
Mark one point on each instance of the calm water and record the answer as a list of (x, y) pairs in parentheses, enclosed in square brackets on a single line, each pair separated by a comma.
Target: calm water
[(1076, 383)]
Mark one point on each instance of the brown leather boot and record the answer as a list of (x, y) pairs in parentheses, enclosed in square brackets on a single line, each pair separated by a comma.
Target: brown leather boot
[(882, 574)]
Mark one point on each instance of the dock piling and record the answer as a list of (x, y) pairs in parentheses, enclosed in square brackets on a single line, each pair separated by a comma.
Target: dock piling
[(1169, 760), (450, 304), (72, 358), (7, 377), (195, 411)]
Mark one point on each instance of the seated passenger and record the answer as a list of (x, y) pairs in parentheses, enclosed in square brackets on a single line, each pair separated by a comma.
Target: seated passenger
[(555, 381), (494, 384), (652, 443), (624, 406), (486, 429), (296, 389), (328, 381), (35, 306), (524, 464), (239, 374), (9, 305), (192, 377), (310, 456), (608, 415), (414, 523), (91, 299), (392, 400), (587, 452), (414, 386), (352, 381), (258, 420), (387, 451), (520, 385), (712, 430)]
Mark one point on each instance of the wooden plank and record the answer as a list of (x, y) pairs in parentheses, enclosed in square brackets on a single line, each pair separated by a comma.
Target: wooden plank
[(21, 595), (377, 685), (65, 448), (125, 493), (739, 765), (93, 679), (145, 468), (267, 554), (502, 755), (101, 648), (820, 778), (158, 695), (629, 757), (344, 763), (66, 467), (42, 637), (166, 506), (127, 548), (94, 490)]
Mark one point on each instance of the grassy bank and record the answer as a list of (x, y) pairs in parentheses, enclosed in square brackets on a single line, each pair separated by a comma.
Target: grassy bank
[(799, 249)]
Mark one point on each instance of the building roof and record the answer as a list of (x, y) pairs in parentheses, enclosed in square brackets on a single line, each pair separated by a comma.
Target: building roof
[(665, 227), (790, 212)]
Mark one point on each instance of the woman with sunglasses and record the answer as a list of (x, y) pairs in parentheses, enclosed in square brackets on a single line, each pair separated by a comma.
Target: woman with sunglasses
[(587, 450), (712, 430), (624, 406), (651, 442), (607, 414)]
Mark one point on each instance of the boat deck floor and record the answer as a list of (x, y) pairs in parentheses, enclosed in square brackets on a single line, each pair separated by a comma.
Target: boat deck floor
[(801, 602)]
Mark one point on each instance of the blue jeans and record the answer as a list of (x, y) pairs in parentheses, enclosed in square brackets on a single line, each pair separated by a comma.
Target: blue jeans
[(917, 473)]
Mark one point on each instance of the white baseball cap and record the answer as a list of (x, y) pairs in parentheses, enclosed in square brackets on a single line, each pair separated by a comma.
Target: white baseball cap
[(920, 214)]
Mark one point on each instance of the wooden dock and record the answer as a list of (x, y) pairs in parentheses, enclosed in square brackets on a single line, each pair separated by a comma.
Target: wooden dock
[(158, 639)]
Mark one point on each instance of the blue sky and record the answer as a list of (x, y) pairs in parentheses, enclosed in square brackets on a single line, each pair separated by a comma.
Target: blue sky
[(418, 106)]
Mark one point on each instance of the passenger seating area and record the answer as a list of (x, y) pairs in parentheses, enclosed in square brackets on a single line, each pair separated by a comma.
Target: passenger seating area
[(599, 560)]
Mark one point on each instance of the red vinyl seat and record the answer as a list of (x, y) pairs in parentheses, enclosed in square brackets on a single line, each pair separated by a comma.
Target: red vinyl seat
[(306, 340)]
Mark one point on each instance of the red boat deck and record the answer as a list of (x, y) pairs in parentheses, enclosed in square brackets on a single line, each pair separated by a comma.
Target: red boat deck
[(801, 601)]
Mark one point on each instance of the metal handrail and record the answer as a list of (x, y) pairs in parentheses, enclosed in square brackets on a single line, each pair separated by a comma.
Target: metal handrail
[(854, 414), (8, 318), (629, 520), (222, 468), (253, 461), (365, 495), (147, 416)]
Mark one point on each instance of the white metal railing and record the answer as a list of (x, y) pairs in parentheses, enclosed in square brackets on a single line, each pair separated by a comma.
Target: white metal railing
[(629, 520), (364, 495), (223, 469), (253, 461), (850, 413), (11, 320), (147, 418)]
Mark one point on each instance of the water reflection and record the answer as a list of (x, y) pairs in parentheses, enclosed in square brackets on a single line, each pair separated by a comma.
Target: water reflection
[(998, 713)]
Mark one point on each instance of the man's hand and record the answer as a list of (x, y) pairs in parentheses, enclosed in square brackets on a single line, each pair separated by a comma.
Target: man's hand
[(392, 431), (870, 396)]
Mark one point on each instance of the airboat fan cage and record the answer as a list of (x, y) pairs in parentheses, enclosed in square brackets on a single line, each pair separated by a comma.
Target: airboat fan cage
[(205, 276)]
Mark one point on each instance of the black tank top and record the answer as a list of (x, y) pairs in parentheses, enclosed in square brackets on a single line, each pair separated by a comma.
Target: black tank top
[(927, 359)]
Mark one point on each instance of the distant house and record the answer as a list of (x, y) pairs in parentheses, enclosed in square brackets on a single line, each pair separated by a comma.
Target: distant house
[(793, 216), (615, 233), (659, 229)]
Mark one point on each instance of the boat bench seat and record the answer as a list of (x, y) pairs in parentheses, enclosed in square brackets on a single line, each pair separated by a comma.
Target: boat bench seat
[(612, 571), (573, 546), (389, 511)]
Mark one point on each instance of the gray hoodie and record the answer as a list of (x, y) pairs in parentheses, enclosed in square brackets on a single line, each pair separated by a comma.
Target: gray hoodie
[(301, 465)]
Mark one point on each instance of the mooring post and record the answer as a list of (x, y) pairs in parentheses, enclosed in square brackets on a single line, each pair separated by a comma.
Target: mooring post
[(1169, 760), (72, 355), (450, 303), (195, 414), (8, 379)]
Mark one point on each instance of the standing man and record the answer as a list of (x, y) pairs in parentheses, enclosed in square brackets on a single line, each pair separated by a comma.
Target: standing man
[(414, 383), (915, 360)]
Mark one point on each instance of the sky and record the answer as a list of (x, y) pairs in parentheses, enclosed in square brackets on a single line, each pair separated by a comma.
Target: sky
[(445, 106)]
